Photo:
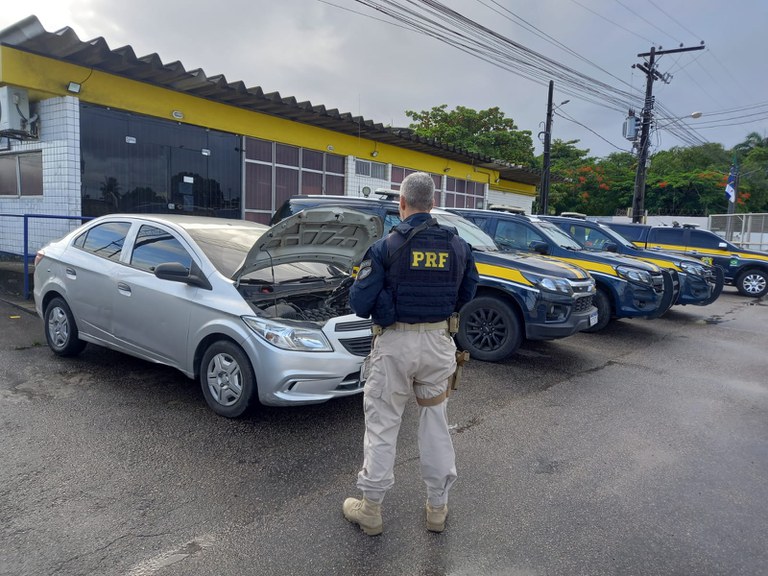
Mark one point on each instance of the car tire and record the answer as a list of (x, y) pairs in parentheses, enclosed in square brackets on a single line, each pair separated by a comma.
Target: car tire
[(489, 329), (226, 378), (61, 329), (603, 305), (753, 283)]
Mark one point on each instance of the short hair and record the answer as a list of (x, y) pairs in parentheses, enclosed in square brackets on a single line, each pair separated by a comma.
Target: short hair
[(418, 189)]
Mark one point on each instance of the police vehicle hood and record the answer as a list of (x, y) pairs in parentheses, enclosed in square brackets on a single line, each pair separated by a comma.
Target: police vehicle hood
[(328, 235), (525, 262), (613, 259)]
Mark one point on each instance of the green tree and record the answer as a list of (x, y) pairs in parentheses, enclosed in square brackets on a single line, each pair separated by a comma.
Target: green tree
[(688, 180), (484, 132), (753, 141), (753, 181)]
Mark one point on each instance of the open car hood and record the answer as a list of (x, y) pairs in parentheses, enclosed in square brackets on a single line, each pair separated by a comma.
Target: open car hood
[(329, 235)]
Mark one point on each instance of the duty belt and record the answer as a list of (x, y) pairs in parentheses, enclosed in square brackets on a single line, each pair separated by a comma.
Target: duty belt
[(418, 327)]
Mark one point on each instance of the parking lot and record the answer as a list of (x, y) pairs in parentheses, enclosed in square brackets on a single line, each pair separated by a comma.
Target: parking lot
[(637, 450)]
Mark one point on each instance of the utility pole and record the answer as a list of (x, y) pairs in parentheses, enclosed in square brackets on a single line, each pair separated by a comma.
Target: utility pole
[(544, 188), (638, 199)]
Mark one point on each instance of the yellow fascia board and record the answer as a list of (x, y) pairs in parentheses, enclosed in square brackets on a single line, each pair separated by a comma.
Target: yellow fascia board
[(515, 187), (45, 77)]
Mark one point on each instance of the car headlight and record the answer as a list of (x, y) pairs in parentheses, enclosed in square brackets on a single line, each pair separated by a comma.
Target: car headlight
[(549, 283), (288, 337), (693, 268), (634, 274)]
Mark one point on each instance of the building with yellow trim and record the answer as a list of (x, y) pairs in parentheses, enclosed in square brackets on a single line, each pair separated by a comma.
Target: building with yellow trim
[(86, 130)]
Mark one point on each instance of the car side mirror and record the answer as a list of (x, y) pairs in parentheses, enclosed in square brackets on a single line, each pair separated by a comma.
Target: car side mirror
[(539, 247), (177, 272), (611, 247)]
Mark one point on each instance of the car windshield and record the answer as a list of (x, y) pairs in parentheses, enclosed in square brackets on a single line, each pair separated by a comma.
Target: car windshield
[(616, 237), (226, 246), (473, 235), (559, 237)]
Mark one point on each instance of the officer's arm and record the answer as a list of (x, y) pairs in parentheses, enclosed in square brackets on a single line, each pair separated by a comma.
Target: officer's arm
[(468, 282), (368, 284)]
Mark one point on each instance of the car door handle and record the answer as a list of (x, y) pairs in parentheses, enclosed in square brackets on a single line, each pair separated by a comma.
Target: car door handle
[(70, 272), (123, 287)]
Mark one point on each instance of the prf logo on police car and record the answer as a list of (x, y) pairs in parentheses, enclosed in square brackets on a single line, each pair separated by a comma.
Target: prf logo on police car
[(429, 260)]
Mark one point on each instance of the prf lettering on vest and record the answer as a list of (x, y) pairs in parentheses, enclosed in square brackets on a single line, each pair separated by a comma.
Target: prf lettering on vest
[(425, 260)]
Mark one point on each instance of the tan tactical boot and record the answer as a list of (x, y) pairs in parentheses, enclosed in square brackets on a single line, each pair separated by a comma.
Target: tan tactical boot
[(365, 513), (436, 516)]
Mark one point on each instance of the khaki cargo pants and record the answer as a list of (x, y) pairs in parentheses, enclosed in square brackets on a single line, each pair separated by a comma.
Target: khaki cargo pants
[(408, 359)]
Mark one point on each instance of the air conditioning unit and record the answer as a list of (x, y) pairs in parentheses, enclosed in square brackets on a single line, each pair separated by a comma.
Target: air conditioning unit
[(14, 109)]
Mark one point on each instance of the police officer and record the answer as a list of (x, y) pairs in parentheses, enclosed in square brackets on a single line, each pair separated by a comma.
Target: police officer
[(410, 283)]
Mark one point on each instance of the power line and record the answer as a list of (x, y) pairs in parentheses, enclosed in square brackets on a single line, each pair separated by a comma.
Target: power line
[(566, 117)]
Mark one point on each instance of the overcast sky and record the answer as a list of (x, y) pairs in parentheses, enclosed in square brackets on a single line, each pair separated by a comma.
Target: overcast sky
[(344, 55)]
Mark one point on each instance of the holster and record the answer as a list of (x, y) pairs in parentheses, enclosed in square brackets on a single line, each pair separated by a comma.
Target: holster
[(462, 357)]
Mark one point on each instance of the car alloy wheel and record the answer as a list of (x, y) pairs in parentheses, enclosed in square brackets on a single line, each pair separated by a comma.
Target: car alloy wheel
[(489, 329), (753, 283)]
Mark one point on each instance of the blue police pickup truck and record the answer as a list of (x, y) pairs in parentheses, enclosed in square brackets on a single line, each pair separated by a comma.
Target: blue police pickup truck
[(626, 287), (518, 297), (700, 283), (745, 269)]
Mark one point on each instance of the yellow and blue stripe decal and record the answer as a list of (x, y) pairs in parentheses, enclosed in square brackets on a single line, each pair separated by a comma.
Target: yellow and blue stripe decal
[(502, 272), (592, 266)]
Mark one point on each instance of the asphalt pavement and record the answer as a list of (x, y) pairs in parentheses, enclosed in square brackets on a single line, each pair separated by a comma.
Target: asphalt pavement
[(640, 450)]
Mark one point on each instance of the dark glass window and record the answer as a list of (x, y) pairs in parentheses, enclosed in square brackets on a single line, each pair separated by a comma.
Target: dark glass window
[(133, 163), (286, 184), (311, 183), (312, 160), (105, 240), (31, 170), (334, 164), (286, 155), (21, 174), (334, 185), (701, 239), (258, 150), (270, 178), (259, 179), (668, 236), (514, 235), (155, 246), (8, 176)]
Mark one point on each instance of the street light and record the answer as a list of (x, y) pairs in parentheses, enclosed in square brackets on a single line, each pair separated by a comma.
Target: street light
[(544, 187), (677, 119)]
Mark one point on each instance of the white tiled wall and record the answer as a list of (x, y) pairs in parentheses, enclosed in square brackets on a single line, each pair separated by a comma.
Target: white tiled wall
[(59, 140)]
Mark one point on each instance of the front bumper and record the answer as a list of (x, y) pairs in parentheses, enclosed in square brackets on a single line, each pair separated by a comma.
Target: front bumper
[(557, 317), (699, 291), (289, 378)]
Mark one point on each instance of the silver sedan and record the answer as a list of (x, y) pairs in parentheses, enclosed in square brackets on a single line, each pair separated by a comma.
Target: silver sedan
[(252, 312)]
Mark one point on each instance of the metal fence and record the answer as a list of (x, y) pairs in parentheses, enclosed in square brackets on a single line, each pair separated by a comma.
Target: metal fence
[(748, 231), (27, 257)]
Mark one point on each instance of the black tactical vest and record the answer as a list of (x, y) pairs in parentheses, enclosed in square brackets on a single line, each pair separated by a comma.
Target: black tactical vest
[(424, 273)]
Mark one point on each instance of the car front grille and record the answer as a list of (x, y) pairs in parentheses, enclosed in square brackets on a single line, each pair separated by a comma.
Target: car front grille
[(357, 346), (582, 304), (353, 326), (657, 278)]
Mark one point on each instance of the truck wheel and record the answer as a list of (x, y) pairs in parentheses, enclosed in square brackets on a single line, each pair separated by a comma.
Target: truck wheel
[(61, 330), (603, 305), (489, 329), (753, 283), (226, 378)]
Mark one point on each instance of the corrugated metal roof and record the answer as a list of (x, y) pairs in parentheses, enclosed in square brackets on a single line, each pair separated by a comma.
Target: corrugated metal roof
[(64, 44)]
